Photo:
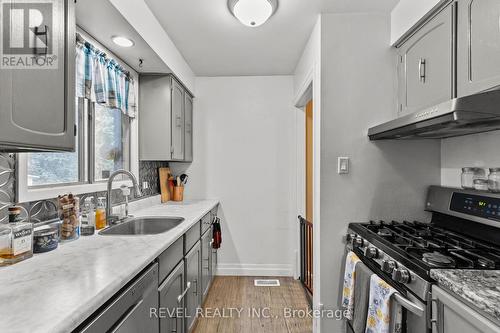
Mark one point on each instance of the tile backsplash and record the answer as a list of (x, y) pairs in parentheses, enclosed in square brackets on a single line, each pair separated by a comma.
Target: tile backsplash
[(47, 209)]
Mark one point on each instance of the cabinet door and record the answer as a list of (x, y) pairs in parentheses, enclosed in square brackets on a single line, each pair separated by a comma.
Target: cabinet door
[(452, 315), (206, 262), (478, 58), (172, 293), (193, 296), (177, 121), (426, 65), (188, 144), (37, 102)]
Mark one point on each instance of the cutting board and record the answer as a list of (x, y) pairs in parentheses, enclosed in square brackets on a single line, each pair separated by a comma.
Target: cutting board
[(165, 193)]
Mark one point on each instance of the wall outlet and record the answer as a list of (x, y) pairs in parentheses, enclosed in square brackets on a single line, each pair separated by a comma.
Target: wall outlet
[(145, 185), (343, 165)]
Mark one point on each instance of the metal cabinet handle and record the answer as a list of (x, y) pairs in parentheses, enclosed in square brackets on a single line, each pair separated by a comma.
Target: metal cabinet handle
[(408, 305), (178, 122), (127, 316), (44, 33), (421, 69), (435, 321), (195, 289), (181, 296)]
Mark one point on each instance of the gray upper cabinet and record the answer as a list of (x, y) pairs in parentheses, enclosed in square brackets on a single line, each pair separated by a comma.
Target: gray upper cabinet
[(177, 121), (165, 119), (37, 111), (188, 137), (478, 57), (451, 315), (172, 293), (426, 62)]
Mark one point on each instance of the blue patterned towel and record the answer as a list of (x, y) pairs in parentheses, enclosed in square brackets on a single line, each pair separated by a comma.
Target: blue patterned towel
[(349, 277), (379, 309)]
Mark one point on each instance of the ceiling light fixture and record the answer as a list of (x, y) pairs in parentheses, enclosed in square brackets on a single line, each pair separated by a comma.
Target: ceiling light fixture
[(122, 41), (252, 13)]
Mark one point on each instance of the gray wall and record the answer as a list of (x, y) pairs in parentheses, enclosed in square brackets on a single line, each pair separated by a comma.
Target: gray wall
[(388, 180), (480, 150)]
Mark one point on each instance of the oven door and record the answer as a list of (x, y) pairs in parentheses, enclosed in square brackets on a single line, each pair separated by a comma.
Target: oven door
[(414, 311)]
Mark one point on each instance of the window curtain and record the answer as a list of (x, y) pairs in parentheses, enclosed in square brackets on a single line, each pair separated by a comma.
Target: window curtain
[(103, 80)]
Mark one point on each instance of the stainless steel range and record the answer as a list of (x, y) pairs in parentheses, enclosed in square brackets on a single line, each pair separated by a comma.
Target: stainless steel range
[(463, 234)]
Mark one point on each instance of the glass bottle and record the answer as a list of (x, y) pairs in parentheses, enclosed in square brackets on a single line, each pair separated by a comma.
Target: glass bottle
[(100, 213), (16, 239), (494, 180), (470, 174)]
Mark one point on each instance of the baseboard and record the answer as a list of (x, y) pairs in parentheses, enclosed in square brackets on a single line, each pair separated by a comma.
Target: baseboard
[(255, 269)]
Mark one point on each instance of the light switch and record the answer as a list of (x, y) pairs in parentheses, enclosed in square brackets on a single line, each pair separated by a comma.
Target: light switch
[(343, 165)]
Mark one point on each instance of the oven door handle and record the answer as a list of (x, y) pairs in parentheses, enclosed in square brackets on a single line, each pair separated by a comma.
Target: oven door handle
[(408, 305)]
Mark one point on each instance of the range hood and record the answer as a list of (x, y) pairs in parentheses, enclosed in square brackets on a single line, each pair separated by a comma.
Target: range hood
[(460, 116)]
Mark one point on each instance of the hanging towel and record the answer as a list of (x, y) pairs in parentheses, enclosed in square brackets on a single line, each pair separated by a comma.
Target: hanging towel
[(361, 297), (216, 233), (379, 306), (349, 277)]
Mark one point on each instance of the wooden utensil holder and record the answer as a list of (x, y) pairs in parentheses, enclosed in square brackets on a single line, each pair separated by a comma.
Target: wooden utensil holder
[(178, 193)]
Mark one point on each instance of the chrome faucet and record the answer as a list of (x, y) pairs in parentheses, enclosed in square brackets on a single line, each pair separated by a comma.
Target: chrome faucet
[(112, 218)]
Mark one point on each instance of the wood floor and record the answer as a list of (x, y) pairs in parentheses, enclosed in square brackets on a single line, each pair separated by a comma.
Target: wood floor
[(235, 305)]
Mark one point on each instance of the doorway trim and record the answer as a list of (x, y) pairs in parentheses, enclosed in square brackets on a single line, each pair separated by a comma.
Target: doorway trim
[(311, 90)]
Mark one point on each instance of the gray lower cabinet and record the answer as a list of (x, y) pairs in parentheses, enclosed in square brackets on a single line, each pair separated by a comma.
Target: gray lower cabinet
[(37, 110), (426, 64), (478, 57), (206, 261), (193, 296), (451, 315), (165, 122), (172, 293)]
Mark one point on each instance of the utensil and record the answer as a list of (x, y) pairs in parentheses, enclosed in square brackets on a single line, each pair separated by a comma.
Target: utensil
[(184, 178)]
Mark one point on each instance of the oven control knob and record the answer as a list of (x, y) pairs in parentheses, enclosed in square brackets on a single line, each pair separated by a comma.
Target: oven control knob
[(349, 237), (371, 252), (358, 242), (388, 266), (401, 275)]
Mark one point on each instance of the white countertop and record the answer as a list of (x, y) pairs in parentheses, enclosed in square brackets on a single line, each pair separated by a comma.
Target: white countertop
[(56, 291)]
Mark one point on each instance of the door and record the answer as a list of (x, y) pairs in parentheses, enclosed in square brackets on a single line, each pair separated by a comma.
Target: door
[(426, 65), (451, 315), (188, 141), (478, 48), (177, 148), (37, 85), (193, 296), (172, 293), (206, 262)]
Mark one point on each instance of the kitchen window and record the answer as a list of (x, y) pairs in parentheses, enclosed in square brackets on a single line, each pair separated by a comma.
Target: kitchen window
[(106, 134)]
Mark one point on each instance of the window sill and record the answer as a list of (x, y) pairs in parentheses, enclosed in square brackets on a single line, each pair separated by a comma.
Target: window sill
[(44, 193)]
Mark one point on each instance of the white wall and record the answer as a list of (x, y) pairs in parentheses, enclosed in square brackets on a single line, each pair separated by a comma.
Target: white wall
[(479, 150), (245, 156), (140, 17), (407, 13), (310, 58), (388, 180)]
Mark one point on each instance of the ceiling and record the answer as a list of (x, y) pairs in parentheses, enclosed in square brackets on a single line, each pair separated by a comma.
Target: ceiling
[(214, 43), (101, 20)]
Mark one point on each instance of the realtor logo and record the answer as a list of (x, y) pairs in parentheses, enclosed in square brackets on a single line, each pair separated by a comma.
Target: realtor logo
[(27, 35)]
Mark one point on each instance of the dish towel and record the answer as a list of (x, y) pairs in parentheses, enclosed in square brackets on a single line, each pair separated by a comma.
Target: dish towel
[(361, 297), (349, 277), (378, 319)]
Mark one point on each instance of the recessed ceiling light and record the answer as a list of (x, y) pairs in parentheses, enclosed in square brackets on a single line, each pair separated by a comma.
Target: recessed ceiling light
[(122, 41), (253, 13)]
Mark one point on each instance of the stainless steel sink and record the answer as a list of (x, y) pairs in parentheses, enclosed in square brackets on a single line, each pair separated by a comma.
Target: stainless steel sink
[(143, 226)]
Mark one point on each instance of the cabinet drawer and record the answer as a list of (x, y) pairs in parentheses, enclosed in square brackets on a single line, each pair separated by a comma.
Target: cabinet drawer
[(170, 258), (192, 236), (206, 222)]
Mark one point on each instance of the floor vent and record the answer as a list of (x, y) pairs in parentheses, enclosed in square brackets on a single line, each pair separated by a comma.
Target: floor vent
[(267, 283)]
